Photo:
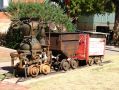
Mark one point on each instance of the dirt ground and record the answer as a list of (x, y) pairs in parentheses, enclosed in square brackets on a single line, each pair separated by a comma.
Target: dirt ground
[(94, 77)]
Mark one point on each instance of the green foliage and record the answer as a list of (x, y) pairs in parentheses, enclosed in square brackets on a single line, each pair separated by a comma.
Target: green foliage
[(46, 12), (2, 77), (87, 7), (13, 39)]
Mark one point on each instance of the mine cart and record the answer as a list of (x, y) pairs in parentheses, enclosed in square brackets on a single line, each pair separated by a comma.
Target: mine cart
[(69, 48), (91, 47), (64, 43), (63, 47)]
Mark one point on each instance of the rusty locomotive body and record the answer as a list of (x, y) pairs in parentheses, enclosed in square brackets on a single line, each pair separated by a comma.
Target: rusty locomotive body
[(57, 51)]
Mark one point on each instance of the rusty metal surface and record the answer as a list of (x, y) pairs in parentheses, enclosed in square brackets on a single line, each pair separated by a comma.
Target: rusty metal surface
[(30, 43), (67, 43)]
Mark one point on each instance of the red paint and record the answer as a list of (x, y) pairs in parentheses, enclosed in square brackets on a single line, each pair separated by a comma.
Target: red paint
[(82, 53)]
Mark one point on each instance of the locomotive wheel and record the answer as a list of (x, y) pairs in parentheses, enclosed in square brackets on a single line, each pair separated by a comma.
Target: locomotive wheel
[(45, 69), (33, 71), (90, 61), (74, 64), (65, 65)]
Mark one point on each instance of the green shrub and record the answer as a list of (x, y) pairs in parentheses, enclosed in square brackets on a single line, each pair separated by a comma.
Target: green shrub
[(46, 12)]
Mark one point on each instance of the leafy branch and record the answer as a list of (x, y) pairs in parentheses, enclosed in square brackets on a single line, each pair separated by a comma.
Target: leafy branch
[(46, 12)]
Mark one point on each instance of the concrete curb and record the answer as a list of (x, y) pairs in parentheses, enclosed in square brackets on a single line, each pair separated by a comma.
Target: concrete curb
[(112, 48)]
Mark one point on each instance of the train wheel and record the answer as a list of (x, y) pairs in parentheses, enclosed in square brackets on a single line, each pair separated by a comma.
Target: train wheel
[(65, 65), (45, 69), (56, 66), (98, 60), (33, 71), (74, 64), (90, 61)]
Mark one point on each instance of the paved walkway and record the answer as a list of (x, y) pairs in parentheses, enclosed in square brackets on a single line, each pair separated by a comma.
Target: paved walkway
[(5, 67), (5, 54), (5, 59), (11, 86), (112, 48)]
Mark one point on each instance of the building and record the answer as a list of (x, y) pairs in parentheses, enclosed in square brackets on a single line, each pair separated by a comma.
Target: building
[(97, 22)]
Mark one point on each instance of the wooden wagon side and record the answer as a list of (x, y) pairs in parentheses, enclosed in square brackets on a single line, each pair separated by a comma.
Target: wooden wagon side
[(65, 43)]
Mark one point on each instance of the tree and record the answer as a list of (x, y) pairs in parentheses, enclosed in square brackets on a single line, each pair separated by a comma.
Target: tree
[(88, 7), (116, 24), (46, 12)]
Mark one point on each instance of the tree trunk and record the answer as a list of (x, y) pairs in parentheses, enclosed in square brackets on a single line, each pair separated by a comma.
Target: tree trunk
[(116, 26)]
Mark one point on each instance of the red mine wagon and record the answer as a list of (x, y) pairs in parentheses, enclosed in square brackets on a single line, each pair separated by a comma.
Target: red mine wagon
[(91, 47)]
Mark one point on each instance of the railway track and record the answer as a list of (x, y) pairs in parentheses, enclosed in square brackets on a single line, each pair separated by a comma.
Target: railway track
[(23, 79)]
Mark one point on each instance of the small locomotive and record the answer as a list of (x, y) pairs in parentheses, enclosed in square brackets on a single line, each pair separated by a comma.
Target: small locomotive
[(34, 56), (57, 51)]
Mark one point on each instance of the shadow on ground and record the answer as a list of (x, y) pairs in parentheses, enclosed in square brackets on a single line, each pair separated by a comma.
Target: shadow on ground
[(7, 68)]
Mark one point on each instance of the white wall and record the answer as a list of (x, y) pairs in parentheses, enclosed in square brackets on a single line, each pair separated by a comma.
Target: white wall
[(5, 3)]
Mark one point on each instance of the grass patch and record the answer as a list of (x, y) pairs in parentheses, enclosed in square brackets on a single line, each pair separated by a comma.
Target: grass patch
[(2, 76)]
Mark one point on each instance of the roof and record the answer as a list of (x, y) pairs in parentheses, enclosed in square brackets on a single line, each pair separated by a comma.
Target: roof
[(80, 32), (90, 32)]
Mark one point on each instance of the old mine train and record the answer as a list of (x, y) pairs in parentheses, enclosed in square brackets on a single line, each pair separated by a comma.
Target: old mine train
[(57, 51)]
